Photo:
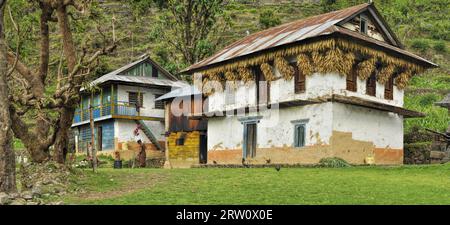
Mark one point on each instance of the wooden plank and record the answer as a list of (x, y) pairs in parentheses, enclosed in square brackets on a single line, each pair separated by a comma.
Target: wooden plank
[(138, 118), (376, 105)]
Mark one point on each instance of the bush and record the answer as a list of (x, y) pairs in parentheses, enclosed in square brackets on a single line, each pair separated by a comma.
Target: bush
[(267, 18), (421, 44), (440, 46), (417, 153), (334, 162)]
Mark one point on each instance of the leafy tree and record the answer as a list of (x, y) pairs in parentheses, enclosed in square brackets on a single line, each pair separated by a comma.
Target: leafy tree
[(267, 18), (190, 30), (47, 89)]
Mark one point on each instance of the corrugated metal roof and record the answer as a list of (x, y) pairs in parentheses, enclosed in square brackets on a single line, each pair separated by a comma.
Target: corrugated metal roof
[(281, 35), (320, 25), (138, 80), (181, 92), (380, 43), (118, 76)]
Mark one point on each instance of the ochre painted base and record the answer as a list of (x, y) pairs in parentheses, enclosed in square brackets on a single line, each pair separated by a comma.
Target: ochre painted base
[(186, 155), (341, 145)]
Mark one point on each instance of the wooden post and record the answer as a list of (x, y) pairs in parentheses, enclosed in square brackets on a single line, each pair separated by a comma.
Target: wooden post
[(81, 109), (167, 121), (101, 102), (112, 99), (94, 146)]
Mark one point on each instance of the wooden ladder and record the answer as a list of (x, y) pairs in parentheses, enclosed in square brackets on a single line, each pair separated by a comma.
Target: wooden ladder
[(149, 133)]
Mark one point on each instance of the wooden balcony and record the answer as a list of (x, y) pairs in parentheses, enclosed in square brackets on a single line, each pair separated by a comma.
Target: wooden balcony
[(119, 110)]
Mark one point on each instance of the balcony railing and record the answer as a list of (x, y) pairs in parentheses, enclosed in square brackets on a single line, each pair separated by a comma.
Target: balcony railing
[(109, 109)]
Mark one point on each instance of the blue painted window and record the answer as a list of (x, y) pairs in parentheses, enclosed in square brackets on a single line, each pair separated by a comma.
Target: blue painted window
[(299, 135), (299, 132)]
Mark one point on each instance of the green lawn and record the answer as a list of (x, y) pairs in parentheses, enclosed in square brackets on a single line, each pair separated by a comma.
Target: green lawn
[(356, 185)]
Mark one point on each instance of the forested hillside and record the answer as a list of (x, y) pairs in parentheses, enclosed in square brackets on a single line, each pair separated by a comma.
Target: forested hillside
[(422, 25)]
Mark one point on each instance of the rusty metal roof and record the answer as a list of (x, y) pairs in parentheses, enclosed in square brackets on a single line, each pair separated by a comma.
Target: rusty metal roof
[(288, 33)]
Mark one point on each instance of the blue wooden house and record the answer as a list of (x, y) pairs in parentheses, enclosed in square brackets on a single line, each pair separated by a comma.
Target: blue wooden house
[(124, 108)]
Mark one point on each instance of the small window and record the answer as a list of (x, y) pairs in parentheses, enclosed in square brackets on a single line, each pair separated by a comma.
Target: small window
[(299, 135), (352, 80), (154, 71), (159, 104), (180, 141), (299, 79), (389, 89), (135, 98), (363, 25), (371, 86)]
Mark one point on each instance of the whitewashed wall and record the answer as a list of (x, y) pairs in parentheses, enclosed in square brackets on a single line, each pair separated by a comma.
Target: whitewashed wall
[(384, 129), (317, 85), (125, 131), (148, 108), (275, 129)]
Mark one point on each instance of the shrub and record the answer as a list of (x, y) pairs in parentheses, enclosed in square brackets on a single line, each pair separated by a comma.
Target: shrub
[(333, 162), (417, 153), (440, 46), (267, 18), (421, 44)]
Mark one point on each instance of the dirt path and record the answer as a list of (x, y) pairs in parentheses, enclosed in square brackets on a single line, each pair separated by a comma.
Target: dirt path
[(130, 184)]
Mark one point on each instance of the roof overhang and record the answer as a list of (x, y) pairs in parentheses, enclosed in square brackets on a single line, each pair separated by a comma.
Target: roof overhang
[(356, 101)]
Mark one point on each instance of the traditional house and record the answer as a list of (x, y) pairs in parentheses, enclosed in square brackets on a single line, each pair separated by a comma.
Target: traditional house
[(186, 137), (331, 85), (125, 109)]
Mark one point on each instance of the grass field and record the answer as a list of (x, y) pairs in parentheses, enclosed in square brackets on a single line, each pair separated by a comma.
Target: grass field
[(356, 185)]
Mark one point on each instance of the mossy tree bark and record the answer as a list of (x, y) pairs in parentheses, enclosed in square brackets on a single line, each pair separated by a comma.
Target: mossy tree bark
[(7, 157)]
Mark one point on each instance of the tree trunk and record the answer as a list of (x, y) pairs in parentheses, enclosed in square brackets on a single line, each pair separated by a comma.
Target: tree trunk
[(7, 157), (62, 137)]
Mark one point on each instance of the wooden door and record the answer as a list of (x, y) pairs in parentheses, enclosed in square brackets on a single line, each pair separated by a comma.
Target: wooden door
[(99, 138), (250, 140), (203, 156)]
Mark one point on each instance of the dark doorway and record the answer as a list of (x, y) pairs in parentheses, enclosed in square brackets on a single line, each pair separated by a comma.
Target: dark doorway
[(203, 156), (249, 140), (99, 138)]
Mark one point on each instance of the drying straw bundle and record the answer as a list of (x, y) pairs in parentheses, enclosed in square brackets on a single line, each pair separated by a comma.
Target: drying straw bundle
[(267, 72), (304, 64), (285, 69)]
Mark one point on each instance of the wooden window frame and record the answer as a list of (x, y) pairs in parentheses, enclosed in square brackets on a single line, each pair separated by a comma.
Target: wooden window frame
[(159, 104), (299, 142), (154, 72), (352, 80), (299, 79), (363, 26), (371, 85), (389, 89), (139, 96)]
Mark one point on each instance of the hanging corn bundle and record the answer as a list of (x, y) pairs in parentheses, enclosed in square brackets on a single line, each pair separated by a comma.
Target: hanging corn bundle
[(317, 59), (403, 78), (345, 63), (245, 74), (366, 68), (267, 72), (232, 79), (385, 73), (285, 69), (304, 64), (330, 61)]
